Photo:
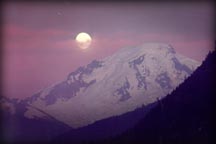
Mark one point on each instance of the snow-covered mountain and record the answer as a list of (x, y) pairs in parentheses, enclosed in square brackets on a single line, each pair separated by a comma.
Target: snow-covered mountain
[(122, 82)]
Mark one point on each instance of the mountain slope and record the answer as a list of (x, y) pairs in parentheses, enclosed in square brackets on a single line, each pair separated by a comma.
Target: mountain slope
[(16, 128), (184, 116)]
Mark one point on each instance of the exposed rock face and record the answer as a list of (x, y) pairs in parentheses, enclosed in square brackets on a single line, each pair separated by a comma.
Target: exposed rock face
[(130, 78)]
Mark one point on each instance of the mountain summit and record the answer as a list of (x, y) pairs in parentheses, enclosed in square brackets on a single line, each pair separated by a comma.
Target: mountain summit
[(130, 78)]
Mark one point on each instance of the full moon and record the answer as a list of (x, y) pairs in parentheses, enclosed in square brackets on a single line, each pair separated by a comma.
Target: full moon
[(83, 40)]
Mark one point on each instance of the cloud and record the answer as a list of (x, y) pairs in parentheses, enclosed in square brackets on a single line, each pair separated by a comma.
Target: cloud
[(16, 37)]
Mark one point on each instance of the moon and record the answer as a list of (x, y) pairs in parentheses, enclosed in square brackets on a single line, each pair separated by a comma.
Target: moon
[(83, 40)]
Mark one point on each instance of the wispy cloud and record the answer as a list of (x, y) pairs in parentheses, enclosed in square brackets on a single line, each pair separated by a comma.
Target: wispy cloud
[(20, 37)]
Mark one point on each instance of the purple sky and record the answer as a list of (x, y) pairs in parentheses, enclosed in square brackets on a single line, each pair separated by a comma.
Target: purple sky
[(39, 46)]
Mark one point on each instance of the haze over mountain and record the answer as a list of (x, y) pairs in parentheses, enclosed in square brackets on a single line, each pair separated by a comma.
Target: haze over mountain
[(129, 79), (39, 39)]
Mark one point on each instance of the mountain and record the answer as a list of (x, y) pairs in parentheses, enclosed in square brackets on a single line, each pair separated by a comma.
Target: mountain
[(183, 117), (132, 78), (16, 128)]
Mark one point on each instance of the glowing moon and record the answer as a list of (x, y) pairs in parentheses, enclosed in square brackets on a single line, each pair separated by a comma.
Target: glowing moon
[(83, 40)]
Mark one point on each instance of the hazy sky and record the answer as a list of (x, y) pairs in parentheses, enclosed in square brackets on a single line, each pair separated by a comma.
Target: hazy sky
[(39, 46)]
